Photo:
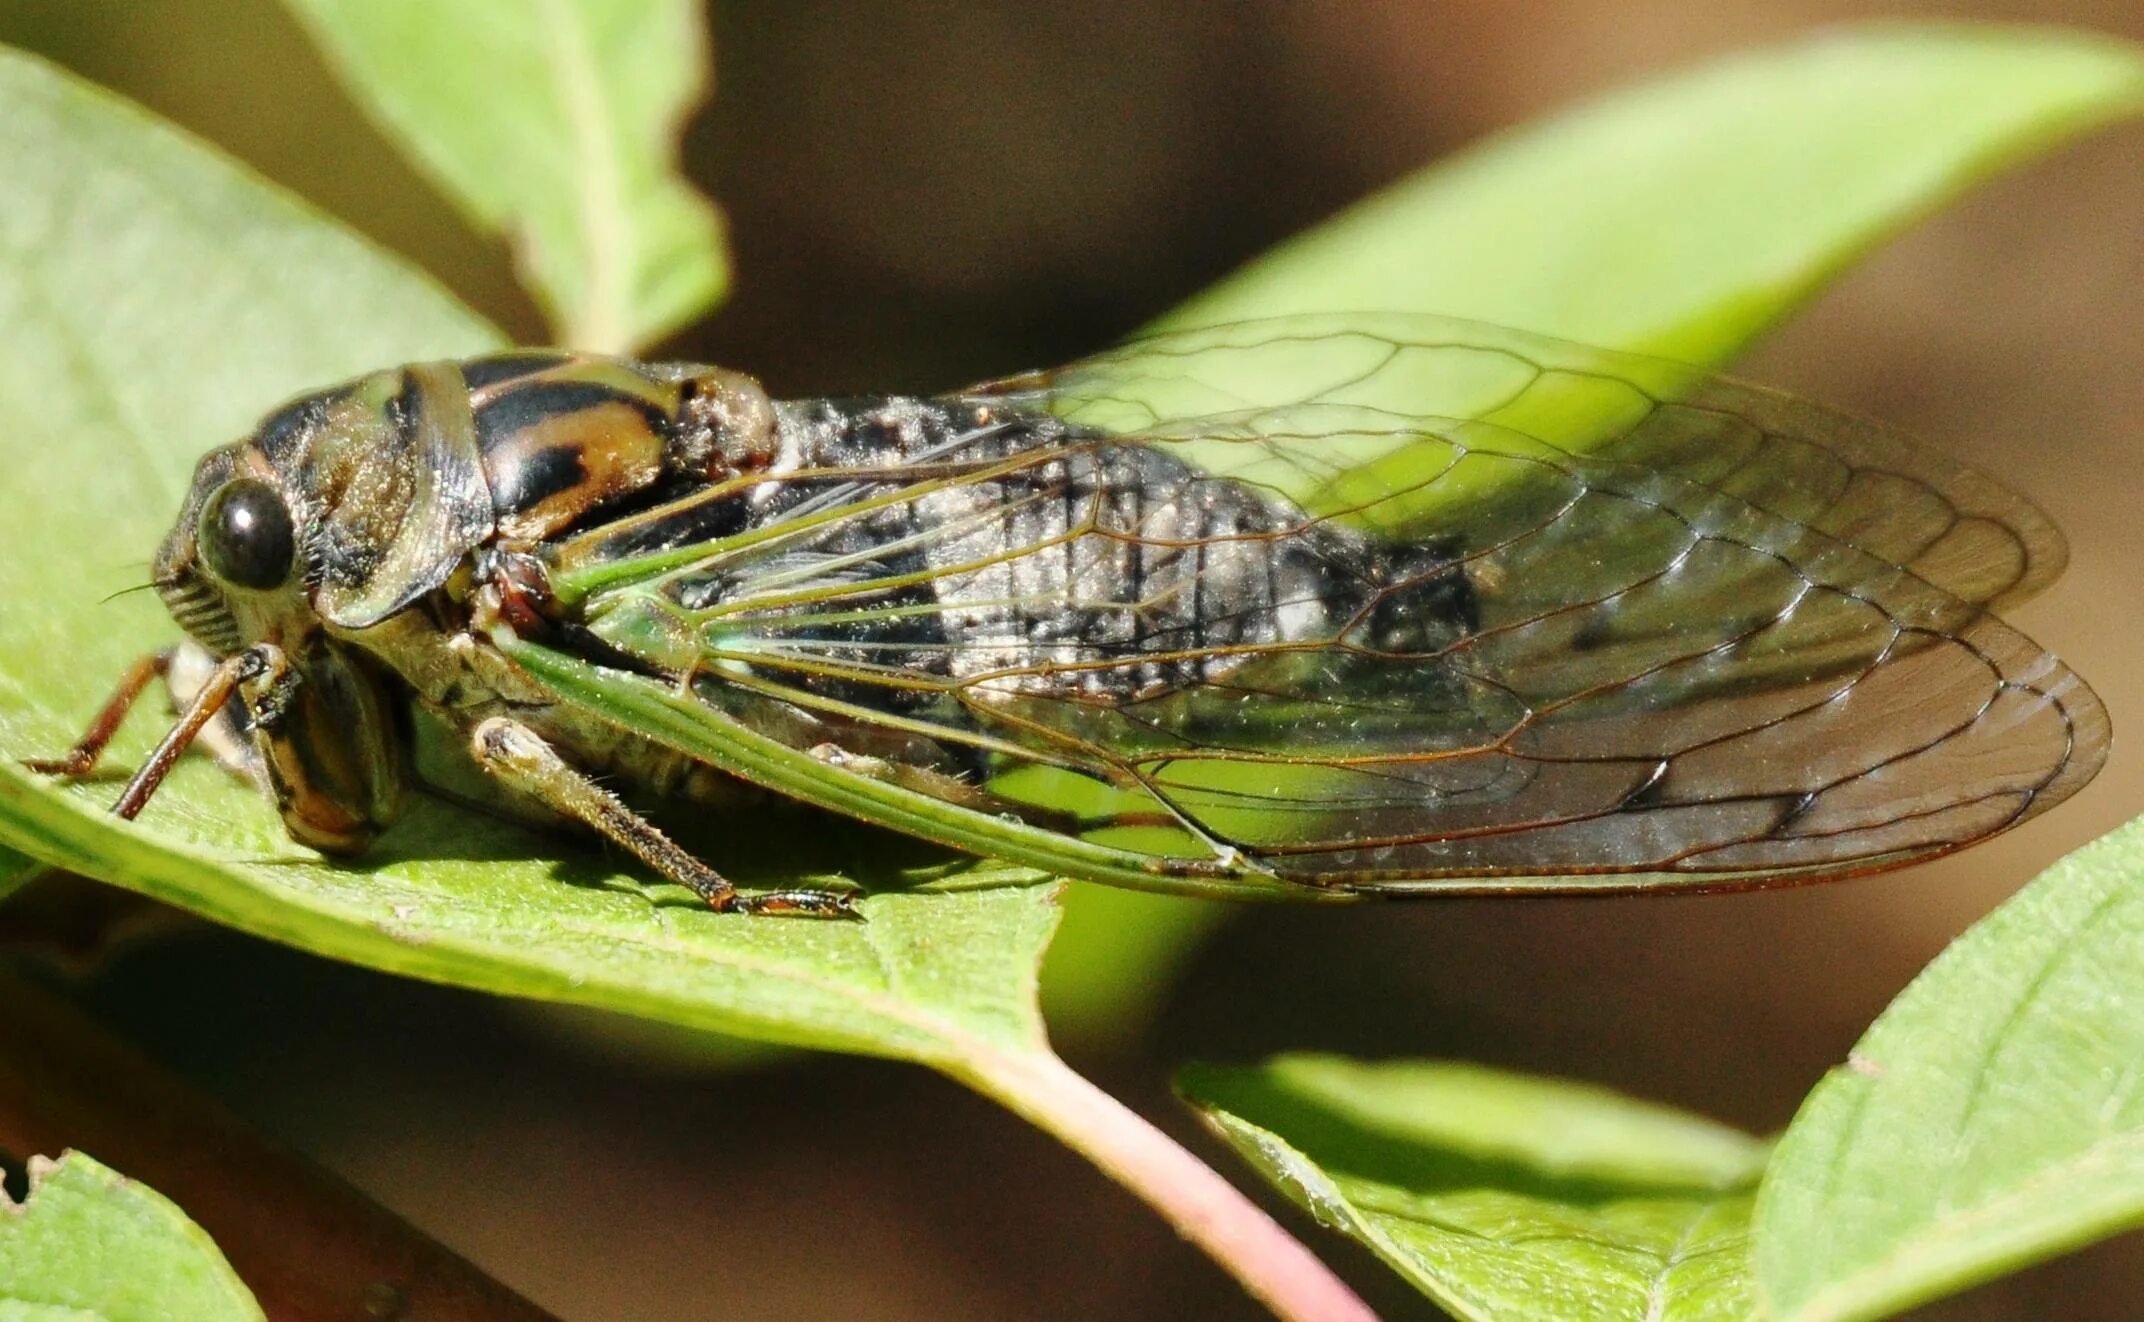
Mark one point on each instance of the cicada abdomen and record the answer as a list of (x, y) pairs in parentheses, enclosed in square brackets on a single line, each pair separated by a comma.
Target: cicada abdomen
[(1005, 553)]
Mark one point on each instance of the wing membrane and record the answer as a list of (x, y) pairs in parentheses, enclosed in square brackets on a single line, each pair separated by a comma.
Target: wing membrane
[(1842, 476), (1394, 603)]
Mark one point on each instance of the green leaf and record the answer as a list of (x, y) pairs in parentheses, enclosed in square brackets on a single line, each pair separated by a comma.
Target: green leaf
[(154, 300), (1684, 216), (556, 122), (1992, 1117), (90, 1243), (1499, 1195)]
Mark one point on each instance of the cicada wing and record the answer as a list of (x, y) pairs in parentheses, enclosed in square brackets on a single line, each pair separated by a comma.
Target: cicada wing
[(1502, 614), (1266, 381), (750, 737)]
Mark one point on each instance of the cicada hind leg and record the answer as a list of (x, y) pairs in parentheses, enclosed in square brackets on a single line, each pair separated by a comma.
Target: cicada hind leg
[(201, 689), (525, 762)]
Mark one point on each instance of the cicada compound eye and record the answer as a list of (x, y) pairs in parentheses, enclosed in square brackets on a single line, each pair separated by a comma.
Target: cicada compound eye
[(245, 535)]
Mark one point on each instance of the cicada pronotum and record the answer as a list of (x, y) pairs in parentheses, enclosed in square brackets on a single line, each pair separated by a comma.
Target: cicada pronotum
[(1315, 607)]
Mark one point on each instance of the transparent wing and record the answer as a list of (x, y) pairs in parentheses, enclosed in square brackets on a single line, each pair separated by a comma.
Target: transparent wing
[(1386, 377), (1397, 603)]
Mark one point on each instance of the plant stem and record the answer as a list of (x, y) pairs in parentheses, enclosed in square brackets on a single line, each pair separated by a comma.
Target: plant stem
[(1206, 1209), (306, 1244)]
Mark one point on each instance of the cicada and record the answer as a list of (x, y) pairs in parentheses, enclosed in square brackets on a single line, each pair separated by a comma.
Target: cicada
[(1318, 607)]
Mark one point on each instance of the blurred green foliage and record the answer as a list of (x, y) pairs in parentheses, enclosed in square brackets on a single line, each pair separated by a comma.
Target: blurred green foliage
[(568, 143)]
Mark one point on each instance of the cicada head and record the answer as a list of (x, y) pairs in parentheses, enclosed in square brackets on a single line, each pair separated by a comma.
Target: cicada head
[(292, 536)]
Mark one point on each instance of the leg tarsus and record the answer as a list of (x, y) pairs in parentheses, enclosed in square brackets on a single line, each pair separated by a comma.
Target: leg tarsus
[(523, 760), (806, 903)]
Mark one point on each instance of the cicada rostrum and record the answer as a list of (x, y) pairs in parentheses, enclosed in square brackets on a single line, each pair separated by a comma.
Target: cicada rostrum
[(1316, 607)]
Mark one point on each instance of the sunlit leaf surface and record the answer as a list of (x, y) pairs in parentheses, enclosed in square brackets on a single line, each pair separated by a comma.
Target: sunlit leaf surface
[(1499, 1195), (1991, 1118), (90, 1243)]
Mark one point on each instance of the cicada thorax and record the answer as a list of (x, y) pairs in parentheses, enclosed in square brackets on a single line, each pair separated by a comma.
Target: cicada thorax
[(567, 441), (408, 472), (404, 501)]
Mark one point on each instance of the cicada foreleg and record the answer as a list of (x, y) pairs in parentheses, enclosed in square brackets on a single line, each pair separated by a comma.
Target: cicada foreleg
[(262, 660), (525, 762), (228, 736), (82, 759)]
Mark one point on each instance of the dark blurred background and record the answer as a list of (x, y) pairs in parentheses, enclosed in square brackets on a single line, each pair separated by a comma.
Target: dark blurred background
[(922, 193)]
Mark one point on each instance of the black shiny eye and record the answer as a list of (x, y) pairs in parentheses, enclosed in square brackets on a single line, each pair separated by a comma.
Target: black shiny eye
[(245, 535)]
